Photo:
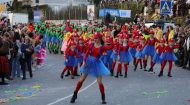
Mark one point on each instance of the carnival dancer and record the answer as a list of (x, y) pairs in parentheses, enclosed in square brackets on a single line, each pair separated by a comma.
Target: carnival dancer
[(70, 59), (76, 40), (92, 65), (133, 41), (65, 41), (168, 56), (124, 56), (120, 43), (139, 55), (135, 31), (149, 49), (81, 51), (157, 56), (106, 55), (114, 55)]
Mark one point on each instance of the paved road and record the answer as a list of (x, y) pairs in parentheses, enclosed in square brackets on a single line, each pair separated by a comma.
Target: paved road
[(140, 88)]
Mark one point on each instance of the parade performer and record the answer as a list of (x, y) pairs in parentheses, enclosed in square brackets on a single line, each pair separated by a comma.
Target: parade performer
[(149, 49), (132, 42), (43, 55), (37, 53), (114, 55), (168, 56), (65, 41), (92, 65), (135, 31), (139, 55), (124, 56), (70, 59), (106, 55), (81, 51), (75, 38), (120, 43), (157, 56)]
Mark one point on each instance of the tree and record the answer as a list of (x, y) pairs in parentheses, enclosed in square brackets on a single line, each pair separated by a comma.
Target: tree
[(96, 2)]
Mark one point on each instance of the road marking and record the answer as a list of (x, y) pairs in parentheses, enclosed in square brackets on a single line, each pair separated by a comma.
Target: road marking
[(64, 98)]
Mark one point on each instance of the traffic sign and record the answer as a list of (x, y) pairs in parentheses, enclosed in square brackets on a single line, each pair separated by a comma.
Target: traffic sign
[(165, 7)]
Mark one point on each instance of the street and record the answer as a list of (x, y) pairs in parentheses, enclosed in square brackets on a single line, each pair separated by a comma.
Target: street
[(140, 88)]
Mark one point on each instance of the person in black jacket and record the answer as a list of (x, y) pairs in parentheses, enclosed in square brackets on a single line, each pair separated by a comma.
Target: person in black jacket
[(26, 57), (15, 61), (180, 52), (187, 51)]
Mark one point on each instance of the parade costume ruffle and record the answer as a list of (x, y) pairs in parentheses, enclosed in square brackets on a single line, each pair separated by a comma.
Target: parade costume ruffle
[(94, 67), (64, 46), (139, 55), (132, 51), (157, 58), (106, 58), (149, 50), (72, 61), (125, 56), (169, 56), (114, 55), (80, 59)]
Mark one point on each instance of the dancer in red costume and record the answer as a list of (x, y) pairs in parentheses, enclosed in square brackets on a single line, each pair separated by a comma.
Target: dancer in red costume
[(124, 56), (139, 55), (168, 56), (157, 56), (114, 55), (70, 59), (149, 49), (93, 66)]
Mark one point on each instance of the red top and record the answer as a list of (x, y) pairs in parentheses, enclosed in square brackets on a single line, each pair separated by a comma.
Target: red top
[(69, 29), (70, 53), (133, 44), (81, 49), (140, 47), (160, 49), (115, 46), (122, 48), (151, 42), (95, 52), (170, 48), (135, 33)]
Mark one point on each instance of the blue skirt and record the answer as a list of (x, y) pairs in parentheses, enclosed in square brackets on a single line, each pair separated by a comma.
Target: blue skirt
[(106, 58), (51, 38), (132, 51), (114, 55), (94, 67), (169, 56), (80, 59), (139, 55), (157, 58), (55, 40), (46, 37), (125, 56), (149, 50), (72, 61)]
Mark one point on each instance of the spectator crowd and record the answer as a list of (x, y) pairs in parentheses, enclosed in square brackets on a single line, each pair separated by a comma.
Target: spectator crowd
[(20, 51)]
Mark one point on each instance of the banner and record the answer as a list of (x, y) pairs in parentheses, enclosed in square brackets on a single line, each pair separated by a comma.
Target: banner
[(37, 16), (125, 13), (115, 12), (90, 12)]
